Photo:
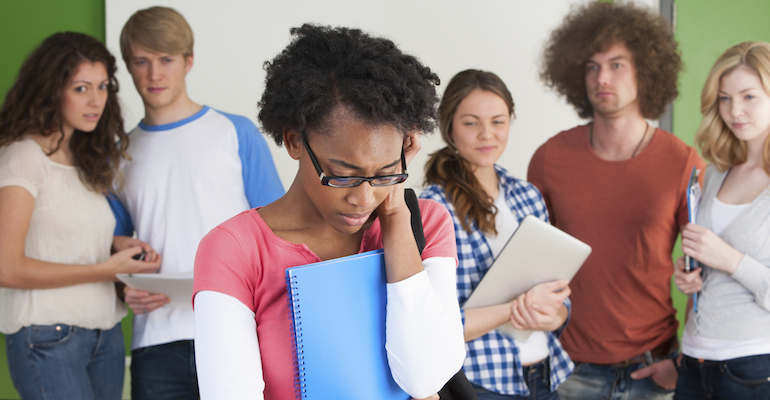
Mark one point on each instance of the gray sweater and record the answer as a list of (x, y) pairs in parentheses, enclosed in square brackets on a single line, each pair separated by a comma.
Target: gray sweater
[(737, 306)]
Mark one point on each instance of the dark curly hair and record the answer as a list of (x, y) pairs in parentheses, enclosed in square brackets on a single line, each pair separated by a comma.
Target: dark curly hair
[(446, 168), (595, 27), (33, 105), (324, 67)]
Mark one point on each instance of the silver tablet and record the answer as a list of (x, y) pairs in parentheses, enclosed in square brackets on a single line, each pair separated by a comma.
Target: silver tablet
[(537, 252)]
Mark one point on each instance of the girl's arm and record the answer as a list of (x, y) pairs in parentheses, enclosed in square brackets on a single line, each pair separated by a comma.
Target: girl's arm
[(708, 248), (19, 271), (541, 308), (227, 354), (424, 339), (479, 321)]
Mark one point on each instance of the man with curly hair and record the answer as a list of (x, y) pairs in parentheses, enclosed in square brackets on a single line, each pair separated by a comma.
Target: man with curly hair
[(619, 185), (192, 168)]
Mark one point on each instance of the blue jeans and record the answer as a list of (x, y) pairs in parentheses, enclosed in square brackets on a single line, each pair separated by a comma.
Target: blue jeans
[(594, 381), (164, 372), (745, 378), (537, 377), (66, 362)]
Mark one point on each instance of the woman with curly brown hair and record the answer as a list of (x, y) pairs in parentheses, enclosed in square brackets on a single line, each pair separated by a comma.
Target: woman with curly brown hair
[(487, 204), (59, 157), (726, 344)]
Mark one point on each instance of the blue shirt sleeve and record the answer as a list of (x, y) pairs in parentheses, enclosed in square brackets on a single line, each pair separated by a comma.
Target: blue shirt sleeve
[(260, 178), (123, 224)]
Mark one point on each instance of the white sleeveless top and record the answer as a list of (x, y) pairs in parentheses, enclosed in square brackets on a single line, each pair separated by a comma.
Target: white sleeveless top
[(70, 224)]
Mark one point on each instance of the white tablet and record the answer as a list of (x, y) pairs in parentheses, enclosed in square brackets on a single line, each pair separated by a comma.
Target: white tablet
[(178, 287), (537, 252)]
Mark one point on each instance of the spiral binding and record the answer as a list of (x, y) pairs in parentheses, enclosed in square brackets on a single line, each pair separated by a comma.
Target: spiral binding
[(300, 386)]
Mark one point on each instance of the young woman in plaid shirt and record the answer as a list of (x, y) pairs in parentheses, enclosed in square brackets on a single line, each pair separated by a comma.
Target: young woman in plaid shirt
[(487, 205)]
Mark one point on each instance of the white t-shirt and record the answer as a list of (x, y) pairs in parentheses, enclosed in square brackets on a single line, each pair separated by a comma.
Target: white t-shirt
[(70, 224), (184, 179), (535, 348)]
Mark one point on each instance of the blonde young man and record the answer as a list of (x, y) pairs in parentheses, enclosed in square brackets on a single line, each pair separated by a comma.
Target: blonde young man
[(618, 184), (192, 168)]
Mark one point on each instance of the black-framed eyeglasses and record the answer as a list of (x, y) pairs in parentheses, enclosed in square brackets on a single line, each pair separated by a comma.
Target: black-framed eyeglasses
[(352, 181)]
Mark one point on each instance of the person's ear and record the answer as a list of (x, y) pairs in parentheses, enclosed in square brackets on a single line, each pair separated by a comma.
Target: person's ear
[(293, 142), (188, 63)]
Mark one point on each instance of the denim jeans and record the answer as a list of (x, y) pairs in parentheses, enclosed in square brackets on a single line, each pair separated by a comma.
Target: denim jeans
[(745, 378), (593, 381), (164, 372), (537, 377), (66, 362)]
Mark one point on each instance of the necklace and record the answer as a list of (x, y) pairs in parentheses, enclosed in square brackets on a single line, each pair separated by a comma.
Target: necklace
[(646, 128)]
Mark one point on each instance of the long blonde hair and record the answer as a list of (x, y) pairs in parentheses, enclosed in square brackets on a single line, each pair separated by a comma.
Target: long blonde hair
[(718, 144)]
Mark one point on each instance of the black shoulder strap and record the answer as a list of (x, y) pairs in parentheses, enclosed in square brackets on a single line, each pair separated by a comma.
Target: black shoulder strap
[(411, 201), (458, 388)]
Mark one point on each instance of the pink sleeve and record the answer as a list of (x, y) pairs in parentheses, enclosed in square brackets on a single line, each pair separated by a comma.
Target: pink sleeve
[(222, 265), (439, 230)]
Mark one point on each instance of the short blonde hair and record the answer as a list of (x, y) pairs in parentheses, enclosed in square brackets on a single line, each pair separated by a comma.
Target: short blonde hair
[(718, 144), (157, 29)]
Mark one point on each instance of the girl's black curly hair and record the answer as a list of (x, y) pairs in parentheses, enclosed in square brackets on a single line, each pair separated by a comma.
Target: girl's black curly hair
[(324, 67)]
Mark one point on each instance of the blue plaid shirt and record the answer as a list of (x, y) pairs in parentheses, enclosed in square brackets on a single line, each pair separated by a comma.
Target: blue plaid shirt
[(493, 359)]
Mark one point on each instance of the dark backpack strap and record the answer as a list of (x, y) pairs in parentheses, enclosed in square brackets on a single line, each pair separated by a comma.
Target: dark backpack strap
[(411, 201), (458, 388)]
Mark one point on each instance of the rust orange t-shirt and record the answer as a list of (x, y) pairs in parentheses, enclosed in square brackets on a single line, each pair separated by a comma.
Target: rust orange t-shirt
[(629, 212)]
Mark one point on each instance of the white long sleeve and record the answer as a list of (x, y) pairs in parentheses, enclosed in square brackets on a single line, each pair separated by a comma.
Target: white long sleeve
[(227, 354), (424, 339), (424, 333)]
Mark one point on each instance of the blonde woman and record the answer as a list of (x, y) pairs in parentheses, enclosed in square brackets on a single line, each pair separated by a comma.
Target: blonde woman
[(726, 343)]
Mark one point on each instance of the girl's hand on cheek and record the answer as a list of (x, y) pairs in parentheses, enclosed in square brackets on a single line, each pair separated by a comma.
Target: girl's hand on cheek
[(394, 203)]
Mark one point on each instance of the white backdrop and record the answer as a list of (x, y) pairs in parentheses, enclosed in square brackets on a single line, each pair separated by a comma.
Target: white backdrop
[(233, 38)]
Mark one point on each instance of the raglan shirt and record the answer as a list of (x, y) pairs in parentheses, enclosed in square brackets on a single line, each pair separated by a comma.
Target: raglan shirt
[(245, 260), (184, 179)]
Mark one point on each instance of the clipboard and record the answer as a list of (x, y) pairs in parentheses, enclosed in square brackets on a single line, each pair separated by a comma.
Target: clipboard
[(176, 286), (693, 201), (537, 252)]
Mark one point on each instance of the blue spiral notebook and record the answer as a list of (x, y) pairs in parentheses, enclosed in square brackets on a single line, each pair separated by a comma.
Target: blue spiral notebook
[(338, 313)]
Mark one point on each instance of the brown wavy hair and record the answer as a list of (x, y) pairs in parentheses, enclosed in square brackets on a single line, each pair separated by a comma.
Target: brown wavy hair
[(33, 105), (594, 28), (447, 169), (717, 142)]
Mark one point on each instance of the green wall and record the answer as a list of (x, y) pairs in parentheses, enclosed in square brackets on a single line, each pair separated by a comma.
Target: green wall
[(23, 25), (705, 29)]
